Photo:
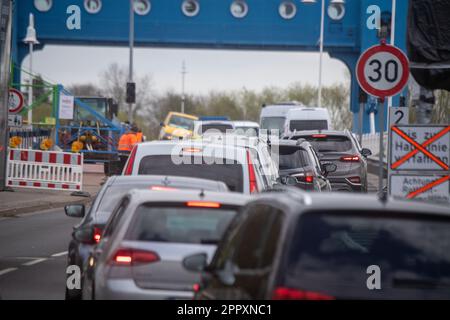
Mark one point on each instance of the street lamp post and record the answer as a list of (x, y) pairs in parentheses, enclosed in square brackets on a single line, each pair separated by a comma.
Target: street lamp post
[(31, 40), (183, 95), (321, 42), (131, 45)]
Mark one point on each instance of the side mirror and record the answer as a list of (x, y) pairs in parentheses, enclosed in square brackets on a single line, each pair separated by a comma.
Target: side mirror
[(329, 167), (196, 262), (366, 152), (75, 210)]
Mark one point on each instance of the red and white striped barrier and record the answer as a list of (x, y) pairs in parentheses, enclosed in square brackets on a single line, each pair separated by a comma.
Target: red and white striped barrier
[(45, 170)]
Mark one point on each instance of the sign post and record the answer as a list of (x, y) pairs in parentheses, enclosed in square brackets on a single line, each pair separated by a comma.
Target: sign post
[(5, 58), (382, 71)]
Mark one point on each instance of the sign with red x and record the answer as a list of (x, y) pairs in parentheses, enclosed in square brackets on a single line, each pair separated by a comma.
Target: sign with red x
[(420, 148), (430, 188)]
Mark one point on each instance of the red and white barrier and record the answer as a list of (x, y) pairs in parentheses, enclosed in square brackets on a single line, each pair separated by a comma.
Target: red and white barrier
[(45, 170)]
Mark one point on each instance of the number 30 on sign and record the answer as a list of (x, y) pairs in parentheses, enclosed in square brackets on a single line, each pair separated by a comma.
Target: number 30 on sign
[(383, 71)]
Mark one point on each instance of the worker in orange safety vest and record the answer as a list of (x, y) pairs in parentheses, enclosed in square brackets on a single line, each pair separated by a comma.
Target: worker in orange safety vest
[(128, 140)]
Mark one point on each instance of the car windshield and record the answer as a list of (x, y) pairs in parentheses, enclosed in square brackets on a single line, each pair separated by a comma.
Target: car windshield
[(181, 122), (330, 144), (228, 171), (334, 251), (273, 123), (305, 125), (180, 224)]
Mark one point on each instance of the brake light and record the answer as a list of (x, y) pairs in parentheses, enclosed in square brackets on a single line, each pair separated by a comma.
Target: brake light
[(97, 234), (251, 174), (192, 150), (354, 180), (196, 287), (161, 188), (350, 159), (283, 293), (319, 136), (203, 204), (130, 257), (130, 162), (305, 178)]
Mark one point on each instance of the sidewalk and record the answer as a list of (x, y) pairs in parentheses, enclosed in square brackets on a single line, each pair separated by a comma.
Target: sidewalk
[(24, 200)]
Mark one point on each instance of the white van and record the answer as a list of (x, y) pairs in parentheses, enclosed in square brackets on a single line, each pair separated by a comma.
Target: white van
[(273, 117), (301, 119)]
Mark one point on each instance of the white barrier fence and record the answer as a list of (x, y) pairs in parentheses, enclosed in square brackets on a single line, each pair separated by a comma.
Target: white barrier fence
[(45, 170), (372, 142)]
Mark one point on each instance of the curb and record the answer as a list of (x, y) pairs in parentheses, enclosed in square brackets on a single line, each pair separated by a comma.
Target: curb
[(12, 212)]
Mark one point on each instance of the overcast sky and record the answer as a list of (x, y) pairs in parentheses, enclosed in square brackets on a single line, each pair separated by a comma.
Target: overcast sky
[(207, 69)]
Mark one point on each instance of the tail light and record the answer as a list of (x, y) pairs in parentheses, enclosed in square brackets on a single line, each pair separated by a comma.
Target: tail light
[(354, 180), (350, 159), (130, 257), (252, 175), (130, 162), (97, 234), (320, 136), (305, 178), (282, 293), (161, 188), (203, 204)]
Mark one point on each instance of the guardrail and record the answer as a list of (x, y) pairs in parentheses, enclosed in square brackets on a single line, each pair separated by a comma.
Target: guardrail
[(372, 142)]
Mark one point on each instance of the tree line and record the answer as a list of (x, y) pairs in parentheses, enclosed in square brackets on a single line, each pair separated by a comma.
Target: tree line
[(151, 108)]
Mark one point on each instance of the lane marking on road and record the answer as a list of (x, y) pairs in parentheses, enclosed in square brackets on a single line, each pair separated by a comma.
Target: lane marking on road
[(60, 254), (5, 271), (31, 263)]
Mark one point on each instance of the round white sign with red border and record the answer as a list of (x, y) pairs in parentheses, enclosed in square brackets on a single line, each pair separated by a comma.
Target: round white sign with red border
[(383, 71), (15, 102)]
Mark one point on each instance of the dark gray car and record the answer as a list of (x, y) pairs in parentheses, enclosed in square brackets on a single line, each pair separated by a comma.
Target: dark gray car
[(87, 233), (298, 161), (309, 246), (340, 148)]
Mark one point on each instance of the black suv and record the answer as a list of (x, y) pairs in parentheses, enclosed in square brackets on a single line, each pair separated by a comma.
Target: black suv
[(294, 245), (299, 166), (341, 148)]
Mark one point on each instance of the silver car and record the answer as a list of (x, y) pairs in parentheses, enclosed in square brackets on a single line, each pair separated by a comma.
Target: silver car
[(148, 235)]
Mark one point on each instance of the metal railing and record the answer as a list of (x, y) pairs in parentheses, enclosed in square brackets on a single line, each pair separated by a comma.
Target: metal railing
[(372, 142)]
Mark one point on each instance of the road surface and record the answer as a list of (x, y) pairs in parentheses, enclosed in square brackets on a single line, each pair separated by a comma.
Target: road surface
[(33, 253)]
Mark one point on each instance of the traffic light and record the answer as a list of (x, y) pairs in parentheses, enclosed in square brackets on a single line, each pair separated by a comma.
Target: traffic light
[(131, 92)]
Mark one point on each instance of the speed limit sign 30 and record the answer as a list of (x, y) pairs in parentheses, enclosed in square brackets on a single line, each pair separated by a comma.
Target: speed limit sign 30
[(383, 71)]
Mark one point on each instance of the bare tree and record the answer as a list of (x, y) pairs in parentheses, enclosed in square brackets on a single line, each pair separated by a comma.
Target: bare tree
[(113, 83)]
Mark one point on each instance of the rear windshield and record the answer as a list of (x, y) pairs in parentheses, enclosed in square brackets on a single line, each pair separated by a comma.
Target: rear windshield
[(216, 128), (179, 224), (247, 131), (336, 251), (331, 144), (295, 160), (305, 125), (222, 170)]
